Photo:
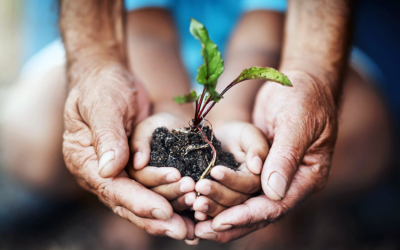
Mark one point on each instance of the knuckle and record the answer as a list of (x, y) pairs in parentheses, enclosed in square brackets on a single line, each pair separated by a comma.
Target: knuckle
[(249, 220), (118, 210), (278, 211), (290, 158), (105, 191), (254, 186), (107, 135)]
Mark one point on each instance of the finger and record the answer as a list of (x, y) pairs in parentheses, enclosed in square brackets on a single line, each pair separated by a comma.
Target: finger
[(154, 176), (256, 147), (261, 208), (174, 190), (207, 206), (140, 143), (219, 193), (242, 181), (190, 228), (184, 202), (286, 153), (110, 120), (200, 216), (142, 136), (126, 193), (175, 228), (193, 242), (204, 230), (120, 191)]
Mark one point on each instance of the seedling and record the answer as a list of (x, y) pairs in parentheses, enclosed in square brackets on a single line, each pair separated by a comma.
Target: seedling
[(208, 74)]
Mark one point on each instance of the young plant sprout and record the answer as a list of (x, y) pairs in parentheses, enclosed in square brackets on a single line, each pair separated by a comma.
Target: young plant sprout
[(208, 74)]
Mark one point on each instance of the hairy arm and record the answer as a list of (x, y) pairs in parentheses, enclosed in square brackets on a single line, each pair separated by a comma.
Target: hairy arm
[(92, 33), (317, 39)]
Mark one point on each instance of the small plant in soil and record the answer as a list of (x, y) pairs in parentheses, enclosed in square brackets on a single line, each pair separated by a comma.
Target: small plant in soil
[(195, 150)]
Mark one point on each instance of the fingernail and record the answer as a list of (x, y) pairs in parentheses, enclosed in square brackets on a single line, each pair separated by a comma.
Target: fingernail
[(217, 173), (277, 183), (223, 228), (193, 242), (185, 187), (172, 235), (159, 214), (209, 236), (172, 177), (256, 163), (105, 158), (189, 199)]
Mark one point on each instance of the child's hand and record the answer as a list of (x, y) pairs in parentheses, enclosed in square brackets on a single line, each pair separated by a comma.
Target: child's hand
[(165, 181), (249, 147)]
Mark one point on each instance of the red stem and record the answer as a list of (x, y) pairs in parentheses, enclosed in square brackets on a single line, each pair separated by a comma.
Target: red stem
[(205, 105), (209, 143), (222, 93), (200, 101)]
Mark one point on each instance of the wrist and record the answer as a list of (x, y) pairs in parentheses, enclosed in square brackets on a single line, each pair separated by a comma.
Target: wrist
[(98, 67), (325, 77)]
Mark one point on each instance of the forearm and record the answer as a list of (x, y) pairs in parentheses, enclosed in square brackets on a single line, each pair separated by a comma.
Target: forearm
[(92, 34), (154, 57), (255, 42), (317, 40)]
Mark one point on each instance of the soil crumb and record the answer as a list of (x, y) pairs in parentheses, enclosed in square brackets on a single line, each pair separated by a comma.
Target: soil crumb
[(186, 150)]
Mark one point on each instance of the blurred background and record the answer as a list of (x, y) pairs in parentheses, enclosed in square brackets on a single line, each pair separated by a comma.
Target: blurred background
[(32, 220)]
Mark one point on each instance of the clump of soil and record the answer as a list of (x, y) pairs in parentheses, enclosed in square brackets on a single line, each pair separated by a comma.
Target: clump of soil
[(186, 150)]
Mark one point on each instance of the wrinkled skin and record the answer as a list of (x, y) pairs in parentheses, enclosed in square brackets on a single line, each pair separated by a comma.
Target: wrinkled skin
[(300, 123), (100, 110)]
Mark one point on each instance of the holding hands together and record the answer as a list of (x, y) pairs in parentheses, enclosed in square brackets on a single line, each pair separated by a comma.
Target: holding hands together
[(105, 107)]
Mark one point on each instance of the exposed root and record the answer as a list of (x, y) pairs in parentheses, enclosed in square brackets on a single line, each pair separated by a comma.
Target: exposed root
[(192, 147), (212, 131), (212, 162), (180, 130)]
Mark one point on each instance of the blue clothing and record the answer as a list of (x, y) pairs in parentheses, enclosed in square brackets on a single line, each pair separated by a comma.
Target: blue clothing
[(219, 16)]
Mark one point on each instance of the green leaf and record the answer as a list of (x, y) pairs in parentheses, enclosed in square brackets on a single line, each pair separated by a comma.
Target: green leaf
[(268, 74), (191, 97), (213, 66)]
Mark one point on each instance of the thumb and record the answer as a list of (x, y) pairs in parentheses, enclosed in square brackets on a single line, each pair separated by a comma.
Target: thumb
[(284, 158), (111, 146), (140, 143), (110, 122)]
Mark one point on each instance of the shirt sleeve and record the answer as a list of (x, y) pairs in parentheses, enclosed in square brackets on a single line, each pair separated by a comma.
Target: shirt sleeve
[(274, 5), (139, 4)]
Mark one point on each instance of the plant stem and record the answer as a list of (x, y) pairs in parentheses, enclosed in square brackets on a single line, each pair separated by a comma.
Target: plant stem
[(212, 162), (200, 101), (205, 105), (222, 93)]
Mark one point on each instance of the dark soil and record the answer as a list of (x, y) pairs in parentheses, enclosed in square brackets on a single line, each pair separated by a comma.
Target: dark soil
[(186, 150)]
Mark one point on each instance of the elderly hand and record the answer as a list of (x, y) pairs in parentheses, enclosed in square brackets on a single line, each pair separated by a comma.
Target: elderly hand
[(99, 114), (250, 148), (301, 125)]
